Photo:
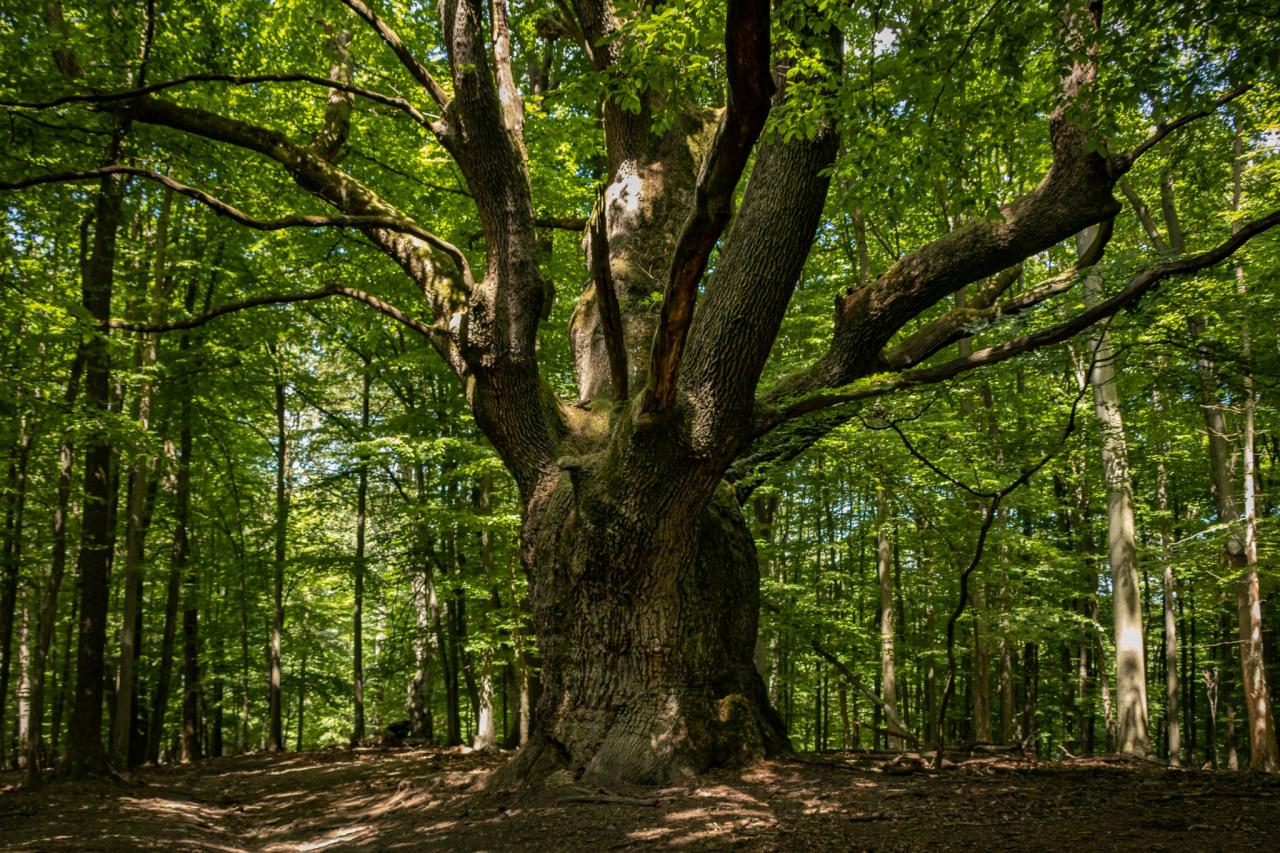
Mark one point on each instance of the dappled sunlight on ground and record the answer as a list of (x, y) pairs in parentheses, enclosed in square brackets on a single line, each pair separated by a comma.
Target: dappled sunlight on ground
[(431, 799)]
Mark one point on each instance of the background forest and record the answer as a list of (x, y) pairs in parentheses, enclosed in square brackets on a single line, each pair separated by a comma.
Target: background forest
[(308, 526)]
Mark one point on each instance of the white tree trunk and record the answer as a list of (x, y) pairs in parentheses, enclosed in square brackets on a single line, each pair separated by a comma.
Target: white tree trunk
[(1131, 673)]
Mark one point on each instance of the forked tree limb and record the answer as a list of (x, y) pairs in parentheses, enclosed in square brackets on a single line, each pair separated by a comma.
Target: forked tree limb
[(934, 336), (750, 85), (1124, 161), (1137, 287)]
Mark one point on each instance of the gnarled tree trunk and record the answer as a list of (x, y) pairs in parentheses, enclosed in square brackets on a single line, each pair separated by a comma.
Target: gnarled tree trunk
[(647, 631)]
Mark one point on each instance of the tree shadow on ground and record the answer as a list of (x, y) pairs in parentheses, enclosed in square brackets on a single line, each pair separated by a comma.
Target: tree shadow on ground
[(433, 799)]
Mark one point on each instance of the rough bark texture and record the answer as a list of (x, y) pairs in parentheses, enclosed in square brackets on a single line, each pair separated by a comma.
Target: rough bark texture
[(647, 635)]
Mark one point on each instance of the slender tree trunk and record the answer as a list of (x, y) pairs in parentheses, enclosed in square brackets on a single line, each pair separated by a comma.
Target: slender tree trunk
[(1241, 556), (85, 755), (1131, 674), (302, 684), (12, 564), (1173, 726), (888, 675), (275, 736), (47, 623), (23, 694), (486, 735), (1030, 692), (357, 614), (1263, 752), (139, 481)]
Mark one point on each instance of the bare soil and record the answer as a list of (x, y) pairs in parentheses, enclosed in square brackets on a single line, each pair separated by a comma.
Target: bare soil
[(434, 799)]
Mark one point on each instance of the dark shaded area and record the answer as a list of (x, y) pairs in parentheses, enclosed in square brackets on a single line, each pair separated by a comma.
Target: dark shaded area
[(433, 799)]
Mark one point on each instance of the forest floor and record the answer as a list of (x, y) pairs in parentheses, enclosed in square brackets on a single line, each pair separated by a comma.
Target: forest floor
[(432, 799)]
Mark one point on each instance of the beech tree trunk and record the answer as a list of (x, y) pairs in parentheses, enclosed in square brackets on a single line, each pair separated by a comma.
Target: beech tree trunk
[(357, 607), (275, 724), (1240, 554), (12, 559), (1263, 751), (888, 676), (1131, 673)]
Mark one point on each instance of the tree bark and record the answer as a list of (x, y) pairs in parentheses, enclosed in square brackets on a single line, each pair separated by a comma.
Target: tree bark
[(1263, 752), (1240, 554), (1131, 674), (357, 614), (16, 514), (1173, 723), (888, 676), (140, 477), (275, 725), (85, 755)]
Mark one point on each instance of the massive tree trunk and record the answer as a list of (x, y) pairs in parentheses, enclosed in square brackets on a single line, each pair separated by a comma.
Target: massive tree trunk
[(1131, 673), (646, 625)]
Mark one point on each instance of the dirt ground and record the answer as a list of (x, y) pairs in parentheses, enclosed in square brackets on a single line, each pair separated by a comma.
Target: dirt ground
[(433, 799)]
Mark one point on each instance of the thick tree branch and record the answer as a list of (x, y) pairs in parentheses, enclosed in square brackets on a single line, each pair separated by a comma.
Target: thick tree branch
[(1138, 285), (1074, 193), (392, 223), (431, 266), (415, 68), (750, 84), (951, 327), (232, 79), (508, 93)]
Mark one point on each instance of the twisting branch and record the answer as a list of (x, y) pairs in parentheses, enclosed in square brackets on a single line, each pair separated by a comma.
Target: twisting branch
[(607, 299), (415, 68), (988, 519), (281, 299), (747, 50), (508, 92), (1124, 161), (337, 113), (234, 80), (936, 335), (1138, 285), (392, 223)]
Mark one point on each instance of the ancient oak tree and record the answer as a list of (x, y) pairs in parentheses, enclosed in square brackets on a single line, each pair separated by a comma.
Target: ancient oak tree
[(643, 576)]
